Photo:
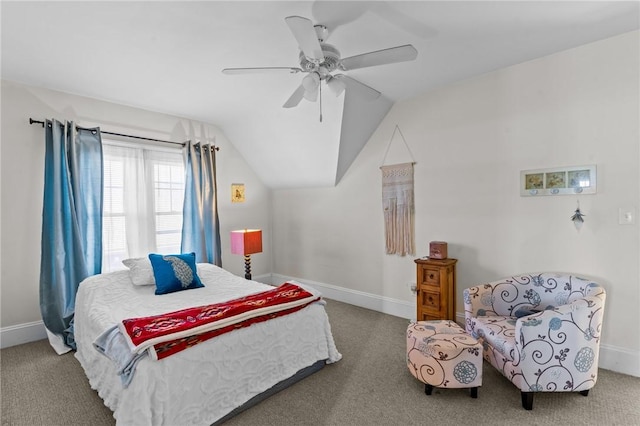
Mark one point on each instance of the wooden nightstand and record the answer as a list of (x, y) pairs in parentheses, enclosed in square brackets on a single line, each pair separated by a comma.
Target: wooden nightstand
[(436, 289)]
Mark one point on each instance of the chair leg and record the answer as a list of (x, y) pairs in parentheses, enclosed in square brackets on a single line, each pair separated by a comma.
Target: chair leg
[(527, 400), (584, 392), (474, 392), (428, 389)]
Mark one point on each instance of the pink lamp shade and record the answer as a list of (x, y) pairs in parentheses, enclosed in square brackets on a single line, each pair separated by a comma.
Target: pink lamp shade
[(247, 241)]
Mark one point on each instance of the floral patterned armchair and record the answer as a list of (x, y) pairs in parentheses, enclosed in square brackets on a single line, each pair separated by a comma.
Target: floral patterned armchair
[(541, 331)]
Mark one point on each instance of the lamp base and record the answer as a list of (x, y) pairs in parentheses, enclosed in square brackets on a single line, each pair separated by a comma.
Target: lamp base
[(247, 266)]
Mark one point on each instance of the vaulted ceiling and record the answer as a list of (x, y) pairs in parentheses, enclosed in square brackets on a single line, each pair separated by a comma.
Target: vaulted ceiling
[(168, 57)]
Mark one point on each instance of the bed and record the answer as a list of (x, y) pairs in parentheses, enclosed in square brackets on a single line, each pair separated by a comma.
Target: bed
[(212, 380)]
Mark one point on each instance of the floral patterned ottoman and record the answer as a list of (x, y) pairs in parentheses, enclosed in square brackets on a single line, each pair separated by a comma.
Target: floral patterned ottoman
[(441, 354)]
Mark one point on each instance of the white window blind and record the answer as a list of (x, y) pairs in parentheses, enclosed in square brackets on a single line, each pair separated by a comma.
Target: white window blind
[(143, 195)]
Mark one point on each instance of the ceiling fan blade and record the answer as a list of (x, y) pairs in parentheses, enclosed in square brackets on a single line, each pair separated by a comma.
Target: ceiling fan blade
[(261, 70), (359, 89), (295, 98), (305, 34), (380, 57)]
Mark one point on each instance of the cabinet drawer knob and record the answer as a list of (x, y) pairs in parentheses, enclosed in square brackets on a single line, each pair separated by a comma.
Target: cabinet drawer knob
[(431, 276)]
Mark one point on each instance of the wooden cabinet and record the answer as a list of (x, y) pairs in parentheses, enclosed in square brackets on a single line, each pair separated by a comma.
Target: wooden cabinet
[(436, 289)]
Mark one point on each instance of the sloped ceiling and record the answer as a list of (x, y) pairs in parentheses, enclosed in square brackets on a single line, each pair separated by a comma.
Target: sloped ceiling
[(168, 57)]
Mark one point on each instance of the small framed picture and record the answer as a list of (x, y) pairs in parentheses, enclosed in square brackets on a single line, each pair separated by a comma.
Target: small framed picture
[(555, 180), (237, 192), (534, 181), (579, 179), (558, 181)]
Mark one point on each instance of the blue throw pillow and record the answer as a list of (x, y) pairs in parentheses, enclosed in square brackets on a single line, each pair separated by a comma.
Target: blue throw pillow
[(174, 272)]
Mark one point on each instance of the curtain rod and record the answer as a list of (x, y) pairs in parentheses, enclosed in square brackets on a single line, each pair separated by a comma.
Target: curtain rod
[(32, 121)]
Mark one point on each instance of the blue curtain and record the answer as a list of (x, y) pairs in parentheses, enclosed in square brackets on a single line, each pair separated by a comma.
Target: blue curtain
[(200, 225), (71, 223)]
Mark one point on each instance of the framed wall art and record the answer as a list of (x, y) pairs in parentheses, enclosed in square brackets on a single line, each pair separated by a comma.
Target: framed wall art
[(237, 192), (558, 181)]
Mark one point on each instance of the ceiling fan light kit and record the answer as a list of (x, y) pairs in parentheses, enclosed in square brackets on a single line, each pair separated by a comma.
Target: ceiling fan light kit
[(311, 81), (319, 60), (321, 32), (336, 85)]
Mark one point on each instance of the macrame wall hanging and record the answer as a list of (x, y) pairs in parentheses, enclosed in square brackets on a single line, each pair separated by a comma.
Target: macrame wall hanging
[(398, 204)]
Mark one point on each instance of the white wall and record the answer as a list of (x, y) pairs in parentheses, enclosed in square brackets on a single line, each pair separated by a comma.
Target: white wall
[(22, 181), (470, 141)]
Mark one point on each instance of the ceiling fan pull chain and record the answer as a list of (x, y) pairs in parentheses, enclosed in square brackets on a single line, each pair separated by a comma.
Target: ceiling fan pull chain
[(320, 87)]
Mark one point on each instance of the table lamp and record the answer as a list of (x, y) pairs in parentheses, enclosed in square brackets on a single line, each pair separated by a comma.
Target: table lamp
[(246, 242)]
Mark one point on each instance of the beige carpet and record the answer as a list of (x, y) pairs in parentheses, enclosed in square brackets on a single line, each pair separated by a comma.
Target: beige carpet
[(369, 386)]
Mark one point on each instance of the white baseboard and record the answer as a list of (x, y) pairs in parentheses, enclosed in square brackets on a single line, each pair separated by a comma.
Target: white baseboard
[(621, 360), (386, 305), (22, 333), (264, 279)]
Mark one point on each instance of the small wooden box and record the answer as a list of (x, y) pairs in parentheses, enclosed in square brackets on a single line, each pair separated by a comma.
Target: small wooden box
[(438, 250)]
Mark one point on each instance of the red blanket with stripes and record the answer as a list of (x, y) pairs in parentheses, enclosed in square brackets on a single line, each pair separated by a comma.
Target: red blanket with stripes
[(169, 333)]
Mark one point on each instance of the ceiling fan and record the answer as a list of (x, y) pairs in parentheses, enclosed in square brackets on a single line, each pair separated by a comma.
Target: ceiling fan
[(319, 60)]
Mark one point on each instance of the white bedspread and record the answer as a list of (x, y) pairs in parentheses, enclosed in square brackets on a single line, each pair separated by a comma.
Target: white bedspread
[(203, 383)]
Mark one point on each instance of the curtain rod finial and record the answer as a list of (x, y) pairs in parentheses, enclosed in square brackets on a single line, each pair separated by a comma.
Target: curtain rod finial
[(32, 121)]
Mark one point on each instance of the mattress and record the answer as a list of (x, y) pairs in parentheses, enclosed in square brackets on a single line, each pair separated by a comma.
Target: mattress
[(202, 384)]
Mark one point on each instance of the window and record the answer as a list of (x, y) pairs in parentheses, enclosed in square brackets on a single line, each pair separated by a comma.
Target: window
[(169, 194), (143, 195)]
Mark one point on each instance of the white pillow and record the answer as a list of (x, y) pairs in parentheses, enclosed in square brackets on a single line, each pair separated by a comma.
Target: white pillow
[(140, 271)]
